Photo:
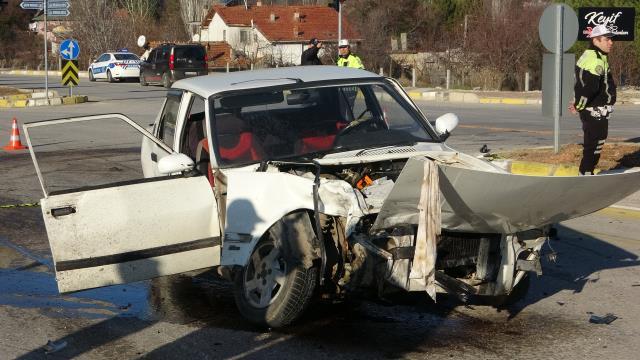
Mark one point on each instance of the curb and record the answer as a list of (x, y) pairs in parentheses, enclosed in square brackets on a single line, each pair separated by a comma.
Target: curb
[(538, 169), (468, 97), (82, 74), (43, 101)]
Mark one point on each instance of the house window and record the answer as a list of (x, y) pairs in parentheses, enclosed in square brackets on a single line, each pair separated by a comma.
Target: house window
[(244, 37), (224, 35)]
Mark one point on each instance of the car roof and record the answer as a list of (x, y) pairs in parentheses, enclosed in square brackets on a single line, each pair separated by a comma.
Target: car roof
[(208, 85)]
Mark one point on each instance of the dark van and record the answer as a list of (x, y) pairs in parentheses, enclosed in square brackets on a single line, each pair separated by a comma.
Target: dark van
[(168, 63)]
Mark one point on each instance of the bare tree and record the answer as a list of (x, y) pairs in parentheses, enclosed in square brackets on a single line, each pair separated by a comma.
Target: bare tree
[(140, 10), (100, 33), (193, 12)]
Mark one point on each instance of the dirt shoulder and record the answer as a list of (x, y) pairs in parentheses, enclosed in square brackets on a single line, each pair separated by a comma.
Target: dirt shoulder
[(4, 91), (613, 156)]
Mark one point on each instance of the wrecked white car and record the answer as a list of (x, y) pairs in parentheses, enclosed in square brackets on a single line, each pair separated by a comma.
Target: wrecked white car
[(307, 181)]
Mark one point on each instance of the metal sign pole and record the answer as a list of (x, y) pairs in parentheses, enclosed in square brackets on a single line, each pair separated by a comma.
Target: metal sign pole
[(339, 21), (46, 61), (557, 111)]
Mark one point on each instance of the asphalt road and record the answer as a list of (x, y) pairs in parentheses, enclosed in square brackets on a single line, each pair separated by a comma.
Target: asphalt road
[(597, 272), (498, 126)]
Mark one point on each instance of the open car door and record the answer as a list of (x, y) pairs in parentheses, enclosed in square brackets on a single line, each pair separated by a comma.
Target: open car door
[(123, 231)]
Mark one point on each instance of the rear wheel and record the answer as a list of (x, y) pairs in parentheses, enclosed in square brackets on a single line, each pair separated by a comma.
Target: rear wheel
[(91, 77), (109, 77), (274, 288), (166, 80)]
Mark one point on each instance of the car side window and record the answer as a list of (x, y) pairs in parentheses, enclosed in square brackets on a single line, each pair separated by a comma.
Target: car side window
[(169, 117), (194, 127), (104, 57)]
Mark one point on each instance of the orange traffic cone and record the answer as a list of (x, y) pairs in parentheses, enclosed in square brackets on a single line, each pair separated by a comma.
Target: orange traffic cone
[(14, 140)]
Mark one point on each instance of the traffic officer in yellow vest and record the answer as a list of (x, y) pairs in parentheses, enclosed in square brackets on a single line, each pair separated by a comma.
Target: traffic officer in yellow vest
[(595, 95), (346, 58)]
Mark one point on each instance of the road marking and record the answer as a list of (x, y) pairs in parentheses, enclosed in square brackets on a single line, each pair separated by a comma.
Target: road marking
[(620, 212)]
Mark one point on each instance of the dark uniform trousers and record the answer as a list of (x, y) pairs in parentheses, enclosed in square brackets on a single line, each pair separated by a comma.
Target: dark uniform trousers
[(595, 134)]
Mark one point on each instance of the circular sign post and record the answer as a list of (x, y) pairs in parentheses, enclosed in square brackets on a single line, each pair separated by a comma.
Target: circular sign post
[(558, 29)]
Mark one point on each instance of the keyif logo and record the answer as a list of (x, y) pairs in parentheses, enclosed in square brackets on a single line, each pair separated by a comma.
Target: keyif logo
[(619, 21)]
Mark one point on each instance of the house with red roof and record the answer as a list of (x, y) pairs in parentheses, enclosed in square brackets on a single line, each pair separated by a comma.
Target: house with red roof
[(274, 33)]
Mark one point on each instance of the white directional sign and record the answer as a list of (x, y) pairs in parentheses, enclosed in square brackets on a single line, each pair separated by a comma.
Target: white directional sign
[(54, 7), (57, 5), (58, 12), (31, 5)]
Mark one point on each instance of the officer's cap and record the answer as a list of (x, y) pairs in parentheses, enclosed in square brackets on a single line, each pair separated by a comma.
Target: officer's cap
[(600, 30)]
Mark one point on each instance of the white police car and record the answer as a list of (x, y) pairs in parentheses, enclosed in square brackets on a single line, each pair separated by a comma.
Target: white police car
[(114, 66)]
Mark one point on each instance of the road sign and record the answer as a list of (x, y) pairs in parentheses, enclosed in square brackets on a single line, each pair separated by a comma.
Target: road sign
[(558, 29), (549, 82), (556, 18), (58, 12), (70, 72), (69, 49), (31, 5), (57, 5)]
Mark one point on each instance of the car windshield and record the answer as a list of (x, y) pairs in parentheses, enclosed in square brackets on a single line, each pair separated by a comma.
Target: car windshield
[(126, 57), (302, 122)]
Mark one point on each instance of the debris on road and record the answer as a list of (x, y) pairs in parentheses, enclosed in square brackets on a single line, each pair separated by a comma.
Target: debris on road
[(53, 346), (607, 319)]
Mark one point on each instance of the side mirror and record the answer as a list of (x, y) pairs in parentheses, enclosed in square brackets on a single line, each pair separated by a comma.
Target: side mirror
[(445, 125), (175, 163)]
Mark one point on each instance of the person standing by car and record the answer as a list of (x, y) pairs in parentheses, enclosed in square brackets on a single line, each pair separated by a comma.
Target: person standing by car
[(346, 57), (310, 55), (595, 95)]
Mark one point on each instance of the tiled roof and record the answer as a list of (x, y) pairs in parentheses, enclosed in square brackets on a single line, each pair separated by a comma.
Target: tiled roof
[(313, 21), (218, 53)]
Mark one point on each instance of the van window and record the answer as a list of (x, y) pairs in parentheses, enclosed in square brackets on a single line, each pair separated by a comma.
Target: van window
[(189, 52)]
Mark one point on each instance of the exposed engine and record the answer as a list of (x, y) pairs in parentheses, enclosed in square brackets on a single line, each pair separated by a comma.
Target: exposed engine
[(382, 260)]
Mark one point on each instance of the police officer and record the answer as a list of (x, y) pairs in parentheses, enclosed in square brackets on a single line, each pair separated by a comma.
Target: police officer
[(346, 57), (310, 55), (595, 95)]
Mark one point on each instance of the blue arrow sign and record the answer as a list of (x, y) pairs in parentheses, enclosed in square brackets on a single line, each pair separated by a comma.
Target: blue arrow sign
[(69, 49)]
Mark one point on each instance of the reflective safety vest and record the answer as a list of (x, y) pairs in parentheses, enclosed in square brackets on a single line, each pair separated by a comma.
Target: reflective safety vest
[(351, 61), (594, 85)]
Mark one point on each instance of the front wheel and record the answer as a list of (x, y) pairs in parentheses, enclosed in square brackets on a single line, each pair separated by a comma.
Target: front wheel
[(91, 77), (273, 289), (109, 77)]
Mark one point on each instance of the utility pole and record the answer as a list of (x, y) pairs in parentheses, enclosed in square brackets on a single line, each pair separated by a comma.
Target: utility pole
[(339, 20), (46, 60)]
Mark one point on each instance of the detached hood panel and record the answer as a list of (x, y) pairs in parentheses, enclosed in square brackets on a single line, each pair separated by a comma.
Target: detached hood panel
[(490, 202)]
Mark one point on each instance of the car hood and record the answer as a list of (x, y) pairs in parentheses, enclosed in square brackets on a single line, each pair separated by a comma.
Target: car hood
[(474, 200)]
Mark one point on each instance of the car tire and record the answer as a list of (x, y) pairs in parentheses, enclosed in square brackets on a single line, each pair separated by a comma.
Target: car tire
[(109, 77), (166, 80), (91, 77), (143, 81), (291, 290)]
